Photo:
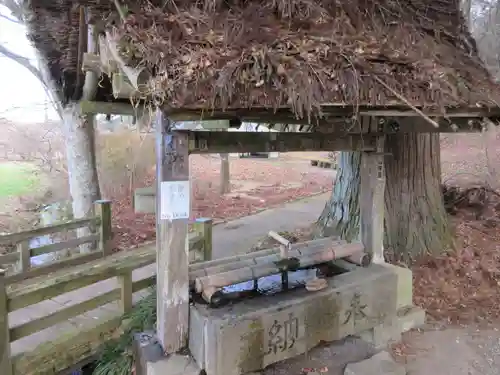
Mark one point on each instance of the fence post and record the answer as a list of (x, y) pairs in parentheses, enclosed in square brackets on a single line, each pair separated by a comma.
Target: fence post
[(203, 226), (103, 211), (24, 251), (5, 360), (126, 292)]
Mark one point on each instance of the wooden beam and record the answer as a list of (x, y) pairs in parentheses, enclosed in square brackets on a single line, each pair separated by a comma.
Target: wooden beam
[(239, 142), (172, 167), (110, 108), (91, 63), (371, 202)]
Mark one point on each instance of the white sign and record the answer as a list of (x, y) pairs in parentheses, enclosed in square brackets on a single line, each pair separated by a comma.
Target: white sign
[(175, 200)]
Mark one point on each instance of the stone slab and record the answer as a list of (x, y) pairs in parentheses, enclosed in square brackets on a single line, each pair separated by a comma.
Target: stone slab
[(389, 332), (380, 364), (405, 284), (149, 358), (174, 364), (146, 349), (255, 333)]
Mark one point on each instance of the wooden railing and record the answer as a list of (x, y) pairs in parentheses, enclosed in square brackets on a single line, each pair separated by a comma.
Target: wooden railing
[(19, 265), (70, 349)]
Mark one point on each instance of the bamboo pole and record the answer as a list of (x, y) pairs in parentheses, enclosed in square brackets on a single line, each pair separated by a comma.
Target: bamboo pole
[(240, 275), (258, 257), (361, 259)]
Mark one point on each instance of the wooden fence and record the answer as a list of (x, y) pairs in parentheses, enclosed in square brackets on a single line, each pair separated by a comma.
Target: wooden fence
[(19, 265), (28, 286)]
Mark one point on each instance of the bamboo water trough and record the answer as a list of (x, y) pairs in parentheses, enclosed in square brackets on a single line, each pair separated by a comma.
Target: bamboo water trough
[(238, 269)]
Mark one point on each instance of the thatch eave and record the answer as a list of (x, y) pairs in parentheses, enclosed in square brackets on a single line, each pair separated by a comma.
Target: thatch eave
[(451, 79)]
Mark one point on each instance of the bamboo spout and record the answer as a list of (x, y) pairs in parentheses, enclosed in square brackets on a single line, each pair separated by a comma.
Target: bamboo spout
[(240, 275), (258, 257)]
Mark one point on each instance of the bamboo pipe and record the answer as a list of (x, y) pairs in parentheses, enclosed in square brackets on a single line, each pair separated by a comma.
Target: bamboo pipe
[(240, 275), (361, 259), (327, 241), (257, 258)]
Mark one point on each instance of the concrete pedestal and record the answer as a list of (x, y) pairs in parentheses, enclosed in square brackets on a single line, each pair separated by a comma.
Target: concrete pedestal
[(255, 333)]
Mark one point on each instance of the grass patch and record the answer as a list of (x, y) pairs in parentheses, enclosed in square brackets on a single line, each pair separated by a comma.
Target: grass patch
[(17, 179), (116, 357)]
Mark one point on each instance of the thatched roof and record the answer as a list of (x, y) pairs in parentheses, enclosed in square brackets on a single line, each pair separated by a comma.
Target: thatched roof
[(274, 53)]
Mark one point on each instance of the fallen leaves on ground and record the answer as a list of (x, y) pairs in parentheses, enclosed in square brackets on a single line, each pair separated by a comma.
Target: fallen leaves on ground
[(256, 184)]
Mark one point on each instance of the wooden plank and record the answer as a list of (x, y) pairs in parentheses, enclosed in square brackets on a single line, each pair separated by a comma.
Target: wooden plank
[(143, 284), (58, 246), (103, 211), (172, 263), (371, 200), (201, 142), (5, 360), (9, 258), (126, 293), (23, 249), (68, 349), (55, 266), (62, 315), (57, 285), (14, 238)]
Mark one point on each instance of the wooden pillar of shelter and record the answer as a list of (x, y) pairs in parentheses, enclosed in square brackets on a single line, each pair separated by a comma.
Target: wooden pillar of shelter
[(371, 202), (172, 214)]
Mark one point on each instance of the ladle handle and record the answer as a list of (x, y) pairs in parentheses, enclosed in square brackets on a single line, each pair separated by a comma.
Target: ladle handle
[(285, 244)]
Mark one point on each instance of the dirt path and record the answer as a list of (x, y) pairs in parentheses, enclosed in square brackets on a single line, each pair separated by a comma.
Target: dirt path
[(453, 351)]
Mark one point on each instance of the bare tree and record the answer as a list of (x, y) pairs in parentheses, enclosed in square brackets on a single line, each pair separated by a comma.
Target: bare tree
[(78, 129)]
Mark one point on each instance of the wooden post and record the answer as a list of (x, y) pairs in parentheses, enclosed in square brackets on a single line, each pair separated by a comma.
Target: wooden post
[(203, 226), (372, 202), (103, 211), (172, 214), (126, 292), (5, 360), (24, 251)]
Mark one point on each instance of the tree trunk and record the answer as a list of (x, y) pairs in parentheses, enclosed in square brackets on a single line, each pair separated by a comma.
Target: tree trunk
[(82, 165), (416, 222), (341, 213), (415, 219), (225, 183)]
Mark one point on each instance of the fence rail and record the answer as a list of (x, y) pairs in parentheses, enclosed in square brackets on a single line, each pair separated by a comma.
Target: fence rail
[(64, 277), (20, 261)]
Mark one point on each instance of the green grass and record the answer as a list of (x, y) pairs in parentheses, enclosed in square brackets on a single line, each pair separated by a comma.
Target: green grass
[(116, 357), (17, 179)]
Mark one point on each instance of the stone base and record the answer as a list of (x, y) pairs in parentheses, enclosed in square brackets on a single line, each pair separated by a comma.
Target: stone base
[(255, 333), (390, 332), (150, 360)]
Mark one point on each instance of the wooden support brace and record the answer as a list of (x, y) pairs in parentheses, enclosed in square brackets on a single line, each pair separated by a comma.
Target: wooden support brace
[(203, 226), (372, 201), (172, 168), (240, 142)]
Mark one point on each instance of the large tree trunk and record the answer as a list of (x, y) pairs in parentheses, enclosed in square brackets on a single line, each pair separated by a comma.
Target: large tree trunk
[(82, 166), (415, 219), (416, 222)]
